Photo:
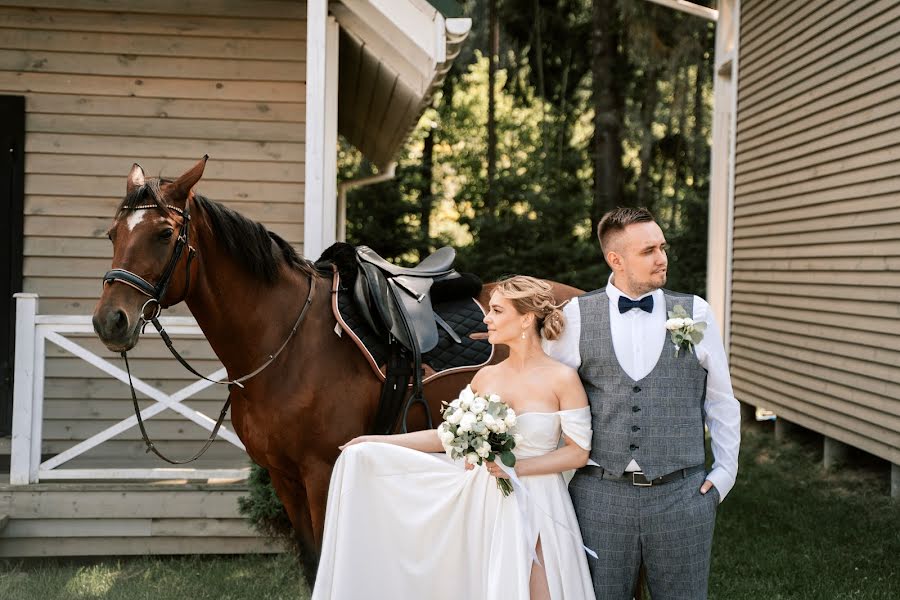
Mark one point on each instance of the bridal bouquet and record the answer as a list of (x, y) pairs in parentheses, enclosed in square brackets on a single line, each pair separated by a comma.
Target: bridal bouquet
[(478, 428)]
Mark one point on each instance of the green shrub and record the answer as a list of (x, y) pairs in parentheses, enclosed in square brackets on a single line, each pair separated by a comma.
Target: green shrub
[(265, 511)]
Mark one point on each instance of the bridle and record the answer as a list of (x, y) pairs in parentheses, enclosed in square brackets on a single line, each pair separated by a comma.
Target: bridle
[(155, 294)]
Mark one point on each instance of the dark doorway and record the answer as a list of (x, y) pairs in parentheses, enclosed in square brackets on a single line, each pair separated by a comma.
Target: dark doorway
[(12, 195)]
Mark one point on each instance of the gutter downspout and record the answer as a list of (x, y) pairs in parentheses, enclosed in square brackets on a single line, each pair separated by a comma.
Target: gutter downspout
[(345, 186)]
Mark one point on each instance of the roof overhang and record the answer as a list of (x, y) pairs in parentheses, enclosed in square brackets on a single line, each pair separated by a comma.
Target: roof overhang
[(393, 55)]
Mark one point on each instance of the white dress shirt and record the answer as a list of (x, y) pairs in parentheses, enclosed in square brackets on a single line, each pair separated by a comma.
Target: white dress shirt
[(638, 342)]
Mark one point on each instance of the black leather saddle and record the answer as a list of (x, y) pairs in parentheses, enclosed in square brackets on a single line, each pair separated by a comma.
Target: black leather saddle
[(388, 311), (396, 300)]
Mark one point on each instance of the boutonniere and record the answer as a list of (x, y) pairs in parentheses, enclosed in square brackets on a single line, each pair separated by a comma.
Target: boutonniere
[(685, 331)]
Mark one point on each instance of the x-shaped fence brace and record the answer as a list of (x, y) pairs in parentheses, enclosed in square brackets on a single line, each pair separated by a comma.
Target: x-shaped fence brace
[(163, 401)]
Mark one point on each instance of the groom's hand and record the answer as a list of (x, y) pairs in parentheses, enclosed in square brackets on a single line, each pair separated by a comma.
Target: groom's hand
[(707, 485)]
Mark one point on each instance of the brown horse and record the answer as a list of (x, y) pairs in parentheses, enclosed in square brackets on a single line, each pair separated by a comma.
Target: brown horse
[(246, 287)]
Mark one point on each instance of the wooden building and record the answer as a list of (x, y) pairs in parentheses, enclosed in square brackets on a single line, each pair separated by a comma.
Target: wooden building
[(89, 87), (805, 215)]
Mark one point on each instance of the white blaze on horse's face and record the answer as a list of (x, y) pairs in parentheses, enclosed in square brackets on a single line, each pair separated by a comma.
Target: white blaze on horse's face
[(136, 217)]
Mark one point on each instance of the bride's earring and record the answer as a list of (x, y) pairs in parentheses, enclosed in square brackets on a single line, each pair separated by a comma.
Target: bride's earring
[(523, 334)]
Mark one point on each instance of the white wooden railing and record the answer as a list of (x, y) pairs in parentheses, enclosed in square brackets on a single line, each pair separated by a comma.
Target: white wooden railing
[(33, 332)]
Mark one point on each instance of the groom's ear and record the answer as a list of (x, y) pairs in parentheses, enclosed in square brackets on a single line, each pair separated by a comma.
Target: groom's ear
[(614, 260)]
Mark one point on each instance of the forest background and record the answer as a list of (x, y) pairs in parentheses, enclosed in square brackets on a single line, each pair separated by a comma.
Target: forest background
[(597, 104)]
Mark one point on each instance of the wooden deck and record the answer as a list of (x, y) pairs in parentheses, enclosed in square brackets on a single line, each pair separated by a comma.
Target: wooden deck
[(97, 519)]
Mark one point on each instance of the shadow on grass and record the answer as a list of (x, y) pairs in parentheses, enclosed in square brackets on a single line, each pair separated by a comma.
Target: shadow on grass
[(791, 529)]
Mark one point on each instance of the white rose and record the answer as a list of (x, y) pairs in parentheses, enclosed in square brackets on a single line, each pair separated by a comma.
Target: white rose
[(484, 449), (455, 403), (455, 417), (445, 434), (510, 418), (467, 422), (489, 421), (472, 458), (501, 426), (688, 321), (673, 324), (494, 398), (466, 396), (477, 406)]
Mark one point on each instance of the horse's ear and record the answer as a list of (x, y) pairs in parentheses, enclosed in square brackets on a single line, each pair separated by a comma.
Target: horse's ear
[(182, 186), (135, 178)]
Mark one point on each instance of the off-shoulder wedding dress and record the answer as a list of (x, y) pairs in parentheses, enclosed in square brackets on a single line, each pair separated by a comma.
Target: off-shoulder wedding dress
[(404, 524)]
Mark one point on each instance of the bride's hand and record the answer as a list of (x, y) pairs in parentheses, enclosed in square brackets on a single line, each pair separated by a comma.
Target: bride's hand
[(357, 440), (495, 470)]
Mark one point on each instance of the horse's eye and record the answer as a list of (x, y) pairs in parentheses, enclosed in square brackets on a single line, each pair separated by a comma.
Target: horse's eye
[(166, 234)]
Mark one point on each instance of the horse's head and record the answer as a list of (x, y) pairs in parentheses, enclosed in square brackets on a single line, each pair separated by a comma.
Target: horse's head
[(151, 262)]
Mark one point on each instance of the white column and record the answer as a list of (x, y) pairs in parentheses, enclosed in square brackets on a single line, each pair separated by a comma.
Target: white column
[(721, 184), (23, 465), (313, 204), (330, 231)]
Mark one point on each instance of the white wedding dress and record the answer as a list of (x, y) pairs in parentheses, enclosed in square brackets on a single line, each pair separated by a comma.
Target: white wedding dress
[(403, 524)]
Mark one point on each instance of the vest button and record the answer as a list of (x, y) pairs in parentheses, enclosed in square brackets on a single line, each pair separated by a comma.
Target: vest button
[(635, 409), (635, 428), (633, 447), (636, 388)]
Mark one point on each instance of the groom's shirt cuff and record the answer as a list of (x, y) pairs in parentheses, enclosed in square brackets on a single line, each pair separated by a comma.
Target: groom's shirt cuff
[(723, 480)]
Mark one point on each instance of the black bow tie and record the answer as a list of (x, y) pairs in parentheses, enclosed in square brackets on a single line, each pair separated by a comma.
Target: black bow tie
[(645, 304)]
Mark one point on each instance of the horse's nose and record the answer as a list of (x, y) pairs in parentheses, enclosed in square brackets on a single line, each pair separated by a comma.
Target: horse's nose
[(111, 324)]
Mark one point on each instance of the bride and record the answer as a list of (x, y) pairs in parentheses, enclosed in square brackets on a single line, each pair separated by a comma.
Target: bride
[(406, 521)]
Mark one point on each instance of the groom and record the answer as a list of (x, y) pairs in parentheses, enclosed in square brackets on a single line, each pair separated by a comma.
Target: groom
[(645, 495)]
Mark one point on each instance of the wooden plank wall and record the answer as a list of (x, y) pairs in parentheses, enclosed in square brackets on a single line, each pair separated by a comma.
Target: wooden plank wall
[(159, 83), (133, 519), (816, 296)]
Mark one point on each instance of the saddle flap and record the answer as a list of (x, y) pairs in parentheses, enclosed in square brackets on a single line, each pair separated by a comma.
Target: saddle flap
[(414, 301)]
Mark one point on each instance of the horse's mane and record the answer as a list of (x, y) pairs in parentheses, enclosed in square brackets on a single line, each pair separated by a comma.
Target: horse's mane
[(247, 241)]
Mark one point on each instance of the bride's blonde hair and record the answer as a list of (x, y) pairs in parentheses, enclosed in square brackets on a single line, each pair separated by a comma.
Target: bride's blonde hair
[(533, 295)]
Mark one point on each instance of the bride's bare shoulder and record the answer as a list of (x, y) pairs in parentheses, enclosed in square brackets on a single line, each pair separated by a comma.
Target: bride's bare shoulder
[(482, 376)]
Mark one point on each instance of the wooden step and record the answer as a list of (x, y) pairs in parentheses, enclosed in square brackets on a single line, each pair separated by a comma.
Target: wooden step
[(94, 519)]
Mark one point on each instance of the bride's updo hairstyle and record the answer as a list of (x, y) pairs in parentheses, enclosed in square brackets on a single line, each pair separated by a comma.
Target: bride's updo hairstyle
[(533, 295)]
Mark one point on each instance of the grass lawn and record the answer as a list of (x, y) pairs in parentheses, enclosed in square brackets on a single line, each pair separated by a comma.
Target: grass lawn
[(172, 578), (789, 529)]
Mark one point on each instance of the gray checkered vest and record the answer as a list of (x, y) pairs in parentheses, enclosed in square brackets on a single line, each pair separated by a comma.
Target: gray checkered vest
[(658, 420)]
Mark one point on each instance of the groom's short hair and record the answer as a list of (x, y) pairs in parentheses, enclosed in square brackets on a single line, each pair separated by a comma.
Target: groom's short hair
[(616, 220)]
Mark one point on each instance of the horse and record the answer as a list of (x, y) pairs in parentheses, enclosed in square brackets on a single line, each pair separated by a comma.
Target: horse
[(251, 294)]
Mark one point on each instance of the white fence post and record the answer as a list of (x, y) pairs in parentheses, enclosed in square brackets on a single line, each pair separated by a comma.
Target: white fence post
[(23, 466)]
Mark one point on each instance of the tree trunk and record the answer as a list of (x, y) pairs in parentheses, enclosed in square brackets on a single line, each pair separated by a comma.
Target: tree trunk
[(648, 117), (426, 197), (608, 109)]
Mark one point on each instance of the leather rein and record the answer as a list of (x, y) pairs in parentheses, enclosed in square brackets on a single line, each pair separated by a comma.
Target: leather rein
[(155, 294)]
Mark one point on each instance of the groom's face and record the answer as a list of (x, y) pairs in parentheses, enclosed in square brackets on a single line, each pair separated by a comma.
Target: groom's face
[(643, 261)]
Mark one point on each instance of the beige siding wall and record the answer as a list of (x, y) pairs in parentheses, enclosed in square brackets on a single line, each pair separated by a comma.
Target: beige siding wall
[(160, 83), (815, 332)]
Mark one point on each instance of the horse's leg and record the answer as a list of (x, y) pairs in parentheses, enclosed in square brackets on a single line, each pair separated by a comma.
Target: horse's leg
[(293, 496), (316, 477)]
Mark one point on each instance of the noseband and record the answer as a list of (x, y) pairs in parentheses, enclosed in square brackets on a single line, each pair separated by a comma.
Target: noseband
[(158, 291), (155, 294)]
